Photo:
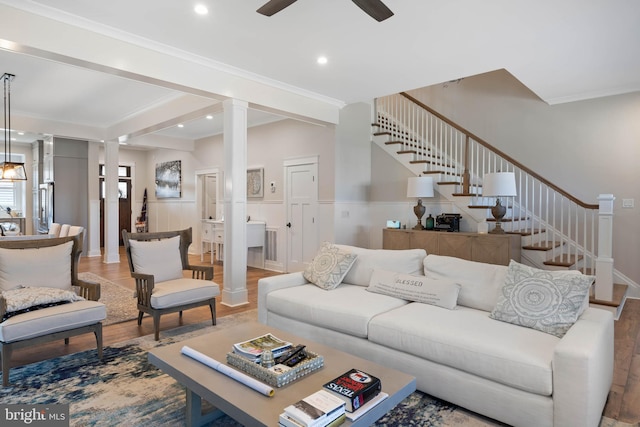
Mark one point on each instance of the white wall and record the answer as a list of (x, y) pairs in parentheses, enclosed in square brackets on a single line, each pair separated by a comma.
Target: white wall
[(586, 148), (268, 146)]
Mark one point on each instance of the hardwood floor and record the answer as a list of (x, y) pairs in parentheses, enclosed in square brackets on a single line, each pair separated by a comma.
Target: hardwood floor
[(624, 399)]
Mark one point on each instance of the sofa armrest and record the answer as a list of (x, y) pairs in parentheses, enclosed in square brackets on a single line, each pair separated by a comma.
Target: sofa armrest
[(583, 370), (88, 289), (273, 283)]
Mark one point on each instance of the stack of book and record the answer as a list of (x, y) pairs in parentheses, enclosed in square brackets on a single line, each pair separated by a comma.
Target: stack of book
[(253, 348), (320, 409)]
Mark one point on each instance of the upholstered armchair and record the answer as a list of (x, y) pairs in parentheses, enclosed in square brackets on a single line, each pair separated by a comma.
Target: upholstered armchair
[(157, 262), (42, 299)]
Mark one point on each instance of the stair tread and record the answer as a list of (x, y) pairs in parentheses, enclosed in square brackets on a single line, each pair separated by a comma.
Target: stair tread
[(381, 133), (542, 246), (619, 291), (526, 232), (507, 219), (563, 260)]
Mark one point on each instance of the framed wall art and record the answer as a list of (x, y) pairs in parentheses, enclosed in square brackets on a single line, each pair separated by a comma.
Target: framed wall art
[(169, 179), (255, 182)]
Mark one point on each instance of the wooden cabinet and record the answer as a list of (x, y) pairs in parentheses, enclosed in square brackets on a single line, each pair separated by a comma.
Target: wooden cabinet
[(488, 248)]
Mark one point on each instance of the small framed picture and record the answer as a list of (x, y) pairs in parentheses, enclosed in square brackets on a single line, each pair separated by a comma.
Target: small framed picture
[(255, 182)]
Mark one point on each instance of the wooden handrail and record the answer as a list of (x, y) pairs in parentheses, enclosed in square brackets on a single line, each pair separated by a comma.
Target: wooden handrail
[(500, 153)]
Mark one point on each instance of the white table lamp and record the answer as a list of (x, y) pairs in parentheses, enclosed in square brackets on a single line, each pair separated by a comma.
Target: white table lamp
[(499, 184), (419, 186)]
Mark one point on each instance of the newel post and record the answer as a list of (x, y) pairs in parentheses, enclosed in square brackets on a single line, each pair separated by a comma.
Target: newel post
[(604, 261)]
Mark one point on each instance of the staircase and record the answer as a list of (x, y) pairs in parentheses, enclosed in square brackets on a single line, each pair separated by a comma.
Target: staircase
[(558, 230)]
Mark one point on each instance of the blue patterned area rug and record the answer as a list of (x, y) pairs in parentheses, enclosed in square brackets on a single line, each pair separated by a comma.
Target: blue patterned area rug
[(125, 390)]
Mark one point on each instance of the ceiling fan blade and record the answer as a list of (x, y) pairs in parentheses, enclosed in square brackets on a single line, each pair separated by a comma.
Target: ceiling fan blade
[(274, 6), (375, 9)]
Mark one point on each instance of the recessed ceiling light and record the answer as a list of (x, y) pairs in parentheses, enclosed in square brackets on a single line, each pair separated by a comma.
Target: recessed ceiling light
[(201, 9), (209, 117), (322, 60), (180, 125)]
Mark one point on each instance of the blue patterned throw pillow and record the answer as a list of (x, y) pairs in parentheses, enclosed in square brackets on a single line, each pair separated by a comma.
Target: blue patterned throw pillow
[(329, 266), (549, 301)]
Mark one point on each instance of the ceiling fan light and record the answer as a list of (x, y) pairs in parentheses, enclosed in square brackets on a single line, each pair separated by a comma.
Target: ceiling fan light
[(12, 171)]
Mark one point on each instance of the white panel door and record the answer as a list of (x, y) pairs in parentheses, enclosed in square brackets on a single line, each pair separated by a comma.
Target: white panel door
[(302, 206)]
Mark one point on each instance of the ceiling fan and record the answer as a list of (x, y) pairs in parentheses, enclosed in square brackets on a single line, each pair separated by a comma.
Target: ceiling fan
[(374, 8)]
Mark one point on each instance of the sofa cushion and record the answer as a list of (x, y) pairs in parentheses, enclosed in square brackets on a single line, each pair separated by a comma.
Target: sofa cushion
[(440, 292), (480, 282), (549, 301), (182, 291), (347, 309), (407, 261), (161, 258), (329, 266), (46, 266), (52, 319), (468, 340)]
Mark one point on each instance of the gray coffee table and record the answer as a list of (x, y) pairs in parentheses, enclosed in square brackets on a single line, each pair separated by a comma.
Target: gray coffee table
[(251, 408)]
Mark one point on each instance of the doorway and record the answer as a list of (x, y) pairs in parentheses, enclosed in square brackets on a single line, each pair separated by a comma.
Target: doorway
[(124, 202), (302, 211)]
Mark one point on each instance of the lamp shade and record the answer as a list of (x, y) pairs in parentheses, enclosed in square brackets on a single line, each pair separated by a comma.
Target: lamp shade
[(499, 184), (420, 186)]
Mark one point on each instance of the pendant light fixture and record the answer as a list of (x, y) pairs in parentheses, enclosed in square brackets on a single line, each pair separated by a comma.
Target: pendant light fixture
[(9, 171)]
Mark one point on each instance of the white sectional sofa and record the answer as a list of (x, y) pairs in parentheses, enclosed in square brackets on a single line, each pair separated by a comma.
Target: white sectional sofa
[(515, 374)]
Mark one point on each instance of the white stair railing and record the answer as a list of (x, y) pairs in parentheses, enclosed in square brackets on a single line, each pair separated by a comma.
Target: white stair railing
[(548, 215)]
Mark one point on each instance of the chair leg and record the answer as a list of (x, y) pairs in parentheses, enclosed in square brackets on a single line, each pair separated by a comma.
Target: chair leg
[(5, 352), (212, 307), (98, 334), (156, 326), (140, 314)]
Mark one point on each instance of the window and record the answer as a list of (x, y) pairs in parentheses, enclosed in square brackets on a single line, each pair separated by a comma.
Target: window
[(124, 172)]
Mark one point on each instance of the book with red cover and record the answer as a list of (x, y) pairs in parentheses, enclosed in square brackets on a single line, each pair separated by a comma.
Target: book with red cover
[(355, 387)]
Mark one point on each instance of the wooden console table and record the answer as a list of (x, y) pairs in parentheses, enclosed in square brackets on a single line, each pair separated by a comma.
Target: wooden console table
[(488, 248)]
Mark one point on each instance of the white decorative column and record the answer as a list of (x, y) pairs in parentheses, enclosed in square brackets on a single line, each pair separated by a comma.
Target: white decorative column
[(604, 262), (111, 217), (235, 203), (92, 234)]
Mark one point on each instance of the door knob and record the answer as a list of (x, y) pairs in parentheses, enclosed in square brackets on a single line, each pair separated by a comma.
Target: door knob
[(289, 224)]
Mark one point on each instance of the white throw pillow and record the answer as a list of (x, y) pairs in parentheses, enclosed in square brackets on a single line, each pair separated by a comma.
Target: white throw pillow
[(480, 282), (549, 301), (158, 257), (408, 261), (329, 266), (440, 292), (47, 266)]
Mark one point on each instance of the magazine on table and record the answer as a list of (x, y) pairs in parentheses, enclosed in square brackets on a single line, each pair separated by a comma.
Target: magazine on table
[(252, 349)]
